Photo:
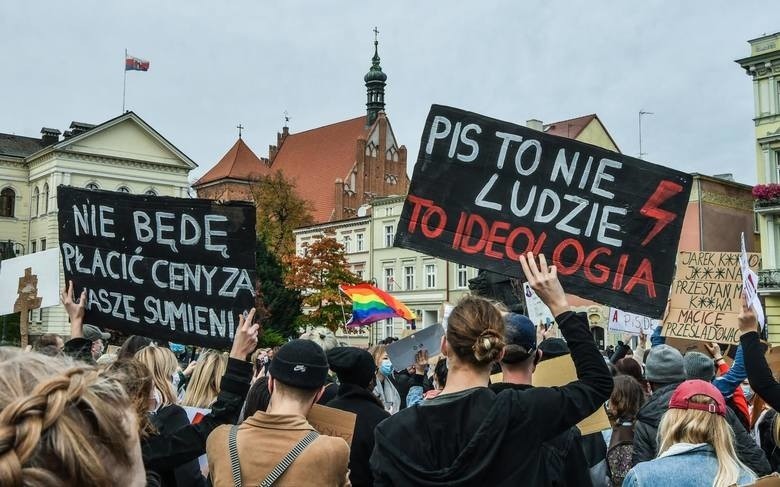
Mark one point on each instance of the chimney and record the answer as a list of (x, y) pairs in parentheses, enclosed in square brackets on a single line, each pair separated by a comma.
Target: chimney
[(50, 136), (78, 128), (535, 124)]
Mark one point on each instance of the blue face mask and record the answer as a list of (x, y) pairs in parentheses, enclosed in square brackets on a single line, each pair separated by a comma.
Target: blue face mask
[(386, 368), (747, 391)]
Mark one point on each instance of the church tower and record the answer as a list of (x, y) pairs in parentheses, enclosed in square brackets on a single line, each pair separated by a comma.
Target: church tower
[(375, 85)]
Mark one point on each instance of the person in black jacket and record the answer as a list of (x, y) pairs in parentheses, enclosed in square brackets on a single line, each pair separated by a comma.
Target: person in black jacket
[(665, 371), (469, 435), (564, 461), (355, 370)]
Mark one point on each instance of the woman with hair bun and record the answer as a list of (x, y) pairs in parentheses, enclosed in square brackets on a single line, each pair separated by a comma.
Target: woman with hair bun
[(64, 424), (480, 437)]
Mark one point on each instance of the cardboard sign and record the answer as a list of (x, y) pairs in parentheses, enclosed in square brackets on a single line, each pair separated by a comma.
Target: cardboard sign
[(402, 352), (485, 192), (620, 321), (560, 371), (707, 296), (536, 310), (685, 346), (45, 265), (176, 269), (333, 422), (750, 283)]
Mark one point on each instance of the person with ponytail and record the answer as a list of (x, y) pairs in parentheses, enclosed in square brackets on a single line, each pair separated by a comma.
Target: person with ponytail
[(62, 423), (696, 443), (470, 435)]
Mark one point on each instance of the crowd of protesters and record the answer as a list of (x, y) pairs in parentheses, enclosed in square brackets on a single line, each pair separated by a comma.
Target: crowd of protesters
[(73, 414)]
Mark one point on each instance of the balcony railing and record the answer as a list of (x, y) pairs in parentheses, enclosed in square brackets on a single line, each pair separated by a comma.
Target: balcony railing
[(769, 280), (767, 206)]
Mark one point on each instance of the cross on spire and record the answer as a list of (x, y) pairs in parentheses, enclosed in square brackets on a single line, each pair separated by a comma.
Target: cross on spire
[(376, 34), (286, 118), (240, 128)]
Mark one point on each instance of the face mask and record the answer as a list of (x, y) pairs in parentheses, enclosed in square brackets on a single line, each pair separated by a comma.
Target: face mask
[(386, 368), (176, 380), (747, 391), (156, 400)]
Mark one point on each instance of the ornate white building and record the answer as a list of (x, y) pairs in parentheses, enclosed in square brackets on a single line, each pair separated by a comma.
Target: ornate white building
[(122, 154)]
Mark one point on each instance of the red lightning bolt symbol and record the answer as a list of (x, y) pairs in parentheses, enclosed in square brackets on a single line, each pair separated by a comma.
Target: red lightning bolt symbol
[(664, 191)]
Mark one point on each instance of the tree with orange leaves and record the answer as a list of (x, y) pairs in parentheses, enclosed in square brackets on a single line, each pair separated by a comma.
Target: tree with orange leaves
[(279, 211), (317, 274)]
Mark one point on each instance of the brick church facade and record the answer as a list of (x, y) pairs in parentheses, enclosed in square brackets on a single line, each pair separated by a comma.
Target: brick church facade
[(337, 168)]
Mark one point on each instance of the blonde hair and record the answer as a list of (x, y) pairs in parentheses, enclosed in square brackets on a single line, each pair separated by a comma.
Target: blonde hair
[(475, 331), (322, 337), (377, 351), (63, 424), (161, 362), (696, 426), (203, 387)]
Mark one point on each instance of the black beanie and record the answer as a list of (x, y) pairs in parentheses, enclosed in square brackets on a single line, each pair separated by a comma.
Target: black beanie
[(553, 347), (352, 365), (301, 364)]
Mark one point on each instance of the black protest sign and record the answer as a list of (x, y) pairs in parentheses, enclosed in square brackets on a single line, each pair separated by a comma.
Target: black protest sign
[(176, 269), (485, 192)]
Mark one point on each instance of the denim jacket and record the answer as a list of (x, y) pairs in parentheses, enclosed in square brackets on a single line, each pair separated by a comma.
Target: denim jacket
[(691, 466)]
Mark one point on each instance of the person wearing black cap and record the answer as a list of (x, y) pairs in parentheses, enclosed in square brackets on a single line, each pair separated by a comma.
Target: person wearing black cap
[(86, 341), (279, 446), (565, 462), (355, 369)]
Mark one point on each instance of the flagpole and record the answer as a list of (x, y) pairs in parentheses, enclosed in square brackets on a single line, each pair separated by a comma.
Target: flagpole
[(124, 83)]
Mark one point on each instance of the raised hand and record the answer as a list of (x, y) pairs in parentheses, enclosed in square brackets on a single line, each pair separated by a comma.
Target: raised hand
[(747, 318), (544, 281), (714, 350), (75, 309), (245, 340), (420, 361)]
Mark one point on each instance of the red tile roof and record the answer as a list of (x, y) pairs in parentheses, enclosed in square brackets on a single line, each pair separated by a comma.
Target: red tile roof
[(239, 163), (314, 159), (569, 128)]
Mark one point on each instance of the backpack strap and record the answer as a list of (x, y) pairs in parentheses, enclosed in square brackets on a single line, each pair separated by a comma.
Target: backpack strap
[(282, 467), (235, 465)]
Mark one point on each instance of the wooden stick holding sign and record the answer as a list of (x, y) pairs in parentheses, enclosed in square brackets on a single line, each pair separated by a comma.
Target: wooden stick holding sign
[(27, 300)]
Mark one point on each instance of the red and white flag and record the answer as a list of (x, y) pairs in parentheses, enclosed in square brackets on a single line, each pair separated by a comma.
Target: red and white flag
[(136, 64)]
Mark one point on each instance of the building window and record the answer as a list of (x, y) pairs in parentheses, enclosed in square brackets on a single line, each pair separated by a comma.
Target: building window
[(463, 276), (430, 276), (409, 278), (123, 189), (389, 329), (389, 280), (389, 235), (389, 211), (33, 247), (92, 186), (7, 202), (45, 198), (359, 242), (35, 197), (150, 192), (347, 244), (359, 274), (43, 244)]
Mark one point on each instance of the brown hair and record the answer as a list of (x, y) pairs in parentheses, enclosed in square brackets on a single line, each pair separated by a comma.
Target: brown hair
[(475, 331), (627, 398), (62, 424), (136, 378)]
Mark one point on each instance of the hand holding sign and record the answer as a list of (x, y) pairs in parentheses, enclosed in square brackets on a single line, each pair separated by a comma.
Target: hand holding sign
[(544, 281), (747, 318), (245, 341), (75, 309)]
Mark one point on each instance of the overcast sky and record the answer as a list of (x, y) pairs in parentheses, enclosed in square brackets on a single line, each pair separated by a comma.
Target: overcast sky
[(215, 64)]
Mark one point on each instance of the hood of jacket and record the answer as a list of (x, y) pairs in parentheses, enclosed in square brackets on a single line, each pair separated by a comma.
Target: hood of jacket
[(657, 404), (463, 459)]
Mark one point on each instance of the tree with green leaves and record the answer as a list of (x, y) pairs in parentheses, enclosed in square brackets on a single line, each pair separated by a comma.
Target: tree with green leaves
[(281, 305), (317, 274)]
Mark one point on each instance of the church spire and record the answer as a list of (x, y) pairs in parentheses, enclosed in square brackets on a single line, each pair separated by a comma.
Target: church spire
[(375, 85)]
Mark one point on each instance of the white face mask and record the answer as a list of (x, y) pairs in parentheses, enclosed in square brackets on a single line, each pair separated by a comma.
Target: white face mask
[(175, 380), (156, 400)]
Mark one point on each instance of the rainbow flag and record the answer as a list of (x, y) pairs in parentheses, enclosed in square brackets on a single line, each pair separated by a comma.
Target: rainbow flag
[(370, 304)]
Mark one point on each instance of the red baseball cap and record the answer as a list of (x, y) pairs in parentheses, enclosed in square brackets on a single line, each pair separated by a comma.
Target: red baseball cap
[(681, 398)]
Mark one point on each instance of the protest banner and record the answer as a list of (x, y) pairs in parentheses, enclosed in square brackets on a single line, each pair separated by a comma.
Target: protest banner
[(535, 309), (707, 296), (333, 422), (560, 371), (402, 352), (620, 321), (175, 269), (750, 283), (485, 192)]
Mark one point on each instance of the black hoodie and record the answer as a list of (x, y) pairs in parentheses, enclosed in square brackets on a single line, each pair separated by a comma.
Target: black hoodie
[(478, 437)]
